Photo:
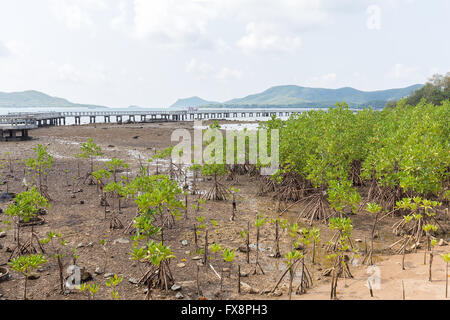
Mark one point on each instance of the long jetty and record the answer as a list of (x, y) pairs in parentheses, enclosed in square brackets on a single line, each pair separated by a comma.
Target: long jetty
[(15, 126)]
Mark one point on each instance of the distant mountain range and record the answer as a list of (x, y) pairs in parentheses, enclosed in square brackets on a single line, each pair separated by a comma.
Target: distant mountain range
[(280, 96), (34, 99), (193, 102), (295, 96)]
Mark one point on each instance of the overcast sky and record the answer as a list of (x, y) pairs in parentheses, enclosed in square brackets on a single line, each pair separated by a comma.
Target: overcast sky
[(151, 52)]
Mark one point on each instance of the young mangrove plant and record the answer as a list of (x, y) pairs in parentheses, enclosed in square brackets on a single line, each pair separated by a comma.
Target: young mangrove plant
[(57, 253), (276, 223), (215, 248), (234, 191), (420, 212), (339, 245), (38, 167), (315, 232), (374, 209), (196, 170), (90, 151), (291, 260), (259, 222), (90, 288), (118, 190), (25, 265), (228, 256), (25, 207), (159, 274), (158, 199), (446, 258), (304, 240), (113, 283), (218, 192)]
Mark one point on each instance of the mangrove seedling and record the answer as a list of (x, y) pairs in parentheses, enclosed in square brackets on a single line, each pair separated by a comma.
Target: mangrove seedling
[(90, 151), (51, 238), (113, 283), (277, 253), (233, 192), (27, 204), (374, 209), (218, 192), (427, 228), (259, 222), (340, 244), (215, 248), (38, 166), (446, 258), (25, 265), (90, 289), (228, 256), (159, 274)]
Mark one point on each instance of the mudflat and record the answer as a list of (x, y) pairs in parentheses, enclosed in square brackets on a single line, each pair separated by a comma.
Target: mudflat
[(76, 213)]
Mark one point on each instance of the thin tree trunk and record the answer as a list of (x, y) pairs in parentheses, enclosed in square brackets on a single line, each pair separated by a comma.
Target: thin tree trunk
[(277, 241), (446, 282), (431, 263), (314, 252), (61, 277), (195, 237), (25, 290), (248, 242), (239, 279), (221, 285), (205, 253), (291, 278), (373, 234)]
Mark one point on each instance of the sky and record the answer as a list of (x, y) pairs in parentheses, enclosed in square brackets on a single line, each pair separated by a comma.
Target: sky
[(149, 53)]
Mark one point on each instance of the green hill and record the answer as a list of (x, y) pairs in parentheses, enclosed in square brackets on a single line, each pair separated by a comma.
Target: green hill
[(193, 102), (295, 95), (303, 97), (31, 99)]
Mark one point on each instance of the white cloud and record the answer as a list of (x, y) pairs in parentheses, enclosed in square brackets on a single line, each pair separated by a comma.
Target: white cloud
[(265, 37), (69, 73), (191, 22), (94, 74), (172, 20), (201, 69), (400, 71), (120, 19), (226, 73), (323, 81), (205, 70), (76, 14)]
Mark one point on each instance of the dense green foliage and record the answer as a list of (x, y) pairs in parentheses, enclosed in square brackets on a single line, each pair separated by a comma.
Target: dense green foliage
[(405, 149), (436, 90)]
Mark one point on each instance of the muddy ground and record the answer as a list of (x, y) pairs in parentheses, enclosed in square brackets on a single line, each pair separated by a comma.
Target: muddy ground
[(76, 213)]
